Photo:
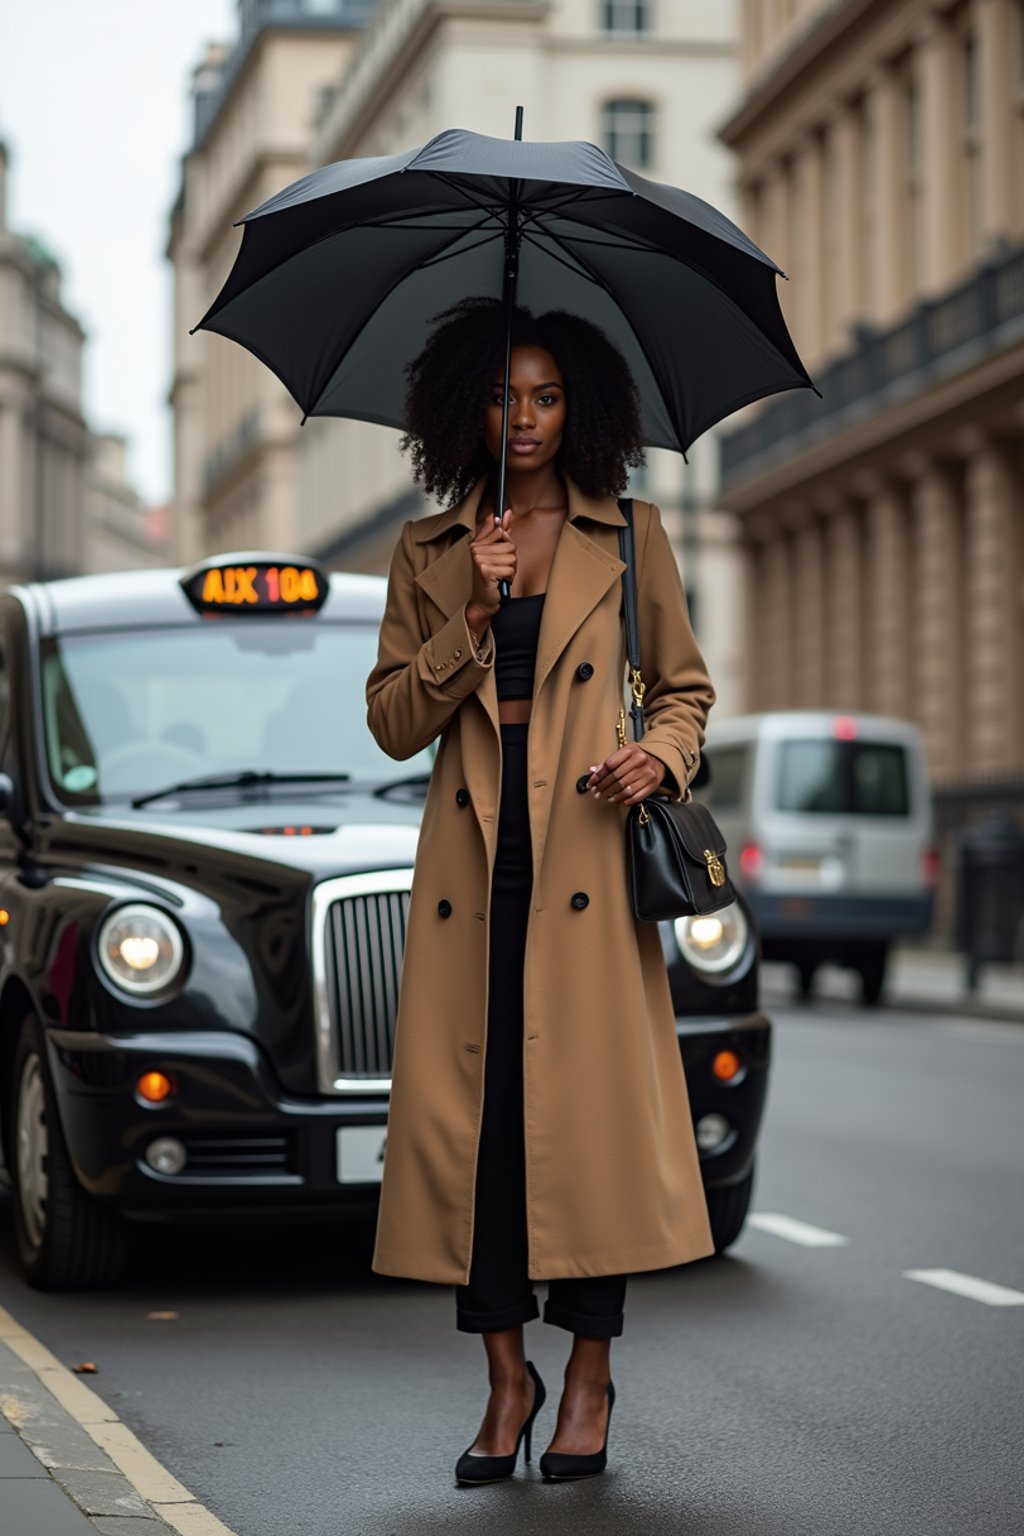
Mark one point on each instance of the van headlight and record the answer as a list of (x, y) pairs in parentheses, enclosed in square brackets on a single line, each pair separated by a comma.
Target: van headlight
[(140, 949), (715, 943)]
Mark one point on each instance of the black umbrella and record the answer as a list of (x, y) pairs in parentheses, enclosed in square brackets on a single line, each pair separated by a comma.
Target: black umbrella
[(339, 275)]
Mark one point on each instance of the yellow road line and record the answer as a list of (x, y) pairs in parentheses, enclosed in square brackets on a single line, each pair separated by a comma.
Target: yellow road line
[(168, 1498)]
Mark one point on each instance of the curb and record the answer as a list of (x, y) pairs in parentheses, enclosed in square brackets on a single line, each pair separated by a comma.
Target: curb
[(86, 1449)]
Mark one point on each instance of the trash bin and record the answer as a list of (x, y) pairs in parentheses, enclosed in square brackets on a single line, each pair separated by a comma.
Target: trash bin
[(990, 906)]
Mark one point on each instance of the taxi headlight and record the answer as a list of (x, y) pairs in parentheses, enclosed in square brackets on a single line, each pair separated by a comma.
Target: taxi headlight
[(715, 943), (140, 948)]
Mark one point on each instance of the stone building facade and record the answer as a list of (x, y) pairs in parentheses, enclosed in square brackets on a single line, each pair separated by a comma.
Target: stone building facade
[(880, 149), (235, 428), (646, 79), (44, 441)]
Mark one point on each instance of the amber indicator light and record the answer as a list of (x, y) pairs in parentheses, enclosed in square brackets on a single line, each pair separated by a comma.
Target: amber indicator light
[(256, 586), (5, 916), (154, 1087), (726, 1065)]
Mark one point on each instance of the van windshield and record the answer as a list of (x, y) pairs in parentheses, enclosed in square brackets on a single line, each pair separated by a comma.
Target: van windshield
[(858, 778)]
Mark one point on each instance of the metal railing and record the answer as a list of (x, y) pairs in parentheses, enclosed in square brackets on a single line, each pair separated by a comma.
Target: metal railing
[(942, 336)]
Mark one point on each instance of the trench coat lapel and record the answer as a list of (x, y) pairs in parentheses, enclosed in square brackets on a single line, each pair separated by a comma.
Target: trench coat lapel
[(581, 573)]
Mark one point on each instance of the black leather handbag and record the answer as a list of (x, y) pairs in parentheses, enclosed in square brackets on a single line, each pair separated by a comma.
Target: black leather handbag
[(675, 853)]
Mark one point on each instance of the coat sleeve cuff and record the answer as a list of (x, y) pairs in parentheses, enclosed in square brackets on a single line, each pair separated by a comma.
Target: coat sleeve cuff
[(681, 762), (451, 661)]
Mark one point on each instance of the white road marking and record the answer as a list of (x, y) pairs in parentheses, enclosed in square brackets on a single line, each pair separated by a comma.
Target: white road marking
[(967, 1285), (796, 1231)]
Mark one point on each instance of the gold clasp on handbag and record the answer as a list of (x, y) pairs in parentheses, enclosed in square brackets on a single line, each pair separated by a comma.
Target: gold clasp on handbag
[(639, 689), (716, 869), (620, 727)]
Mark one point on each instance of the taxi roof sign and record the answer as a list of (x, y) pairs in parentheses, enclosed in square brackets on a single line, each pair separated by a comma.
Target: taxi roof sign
[(255, 582)]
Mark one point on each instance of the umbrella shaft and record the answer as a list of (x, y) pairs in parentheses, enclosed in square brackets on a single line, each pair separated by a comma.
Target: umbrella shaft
[(512, 239)]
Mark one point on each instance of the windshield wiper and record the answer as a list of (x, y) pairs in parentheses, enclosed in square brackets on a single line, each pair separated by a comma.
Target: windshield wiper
[(240, 780), (415, 781)]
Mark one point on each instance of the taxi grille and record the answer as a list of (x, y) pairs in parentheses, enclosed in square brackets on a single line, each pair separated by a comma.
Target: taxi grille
[(359, 943)]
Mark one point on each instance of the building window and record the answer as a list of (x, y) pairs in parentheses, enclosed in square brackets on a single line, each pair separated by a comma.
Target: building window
[(628, 129), (629, 16), (867, 200)]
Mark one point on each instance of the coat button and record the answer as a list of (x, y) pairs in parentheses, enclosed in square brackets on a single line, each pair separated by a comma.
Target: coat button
[(462, 797), (444, 909), (584, 671), (581, 783), (580, 900)]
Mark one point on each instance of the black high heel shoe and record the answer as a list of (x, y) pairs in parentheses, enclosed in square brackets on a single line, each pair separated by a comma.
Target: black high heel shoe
[(557, 1467), (491, 1469)]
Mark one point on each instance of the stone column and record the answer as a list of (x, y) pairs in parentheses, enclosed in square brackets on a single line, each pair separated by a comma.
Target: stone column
[(887, 586), (808, 615), (997, 51), (940, 125), (844, 605), (775, 205), (938, 612), (771, 618), (994, 616), (810, 234), (885, 106), (847, 247)]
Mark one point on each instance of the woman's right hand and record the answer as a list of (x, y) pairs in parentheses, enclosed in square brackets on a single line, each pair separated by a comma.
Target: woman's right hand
[(494, 559)]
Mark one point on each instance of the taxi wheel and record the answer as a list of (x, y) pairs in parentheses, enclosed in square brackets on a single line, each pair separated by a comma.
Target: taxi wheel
[(727, 1210), (65, 1240)]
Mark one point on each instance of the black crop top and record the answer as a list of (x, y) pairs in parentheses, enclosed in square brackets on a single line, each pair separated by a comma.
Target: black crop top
[(515, 628)]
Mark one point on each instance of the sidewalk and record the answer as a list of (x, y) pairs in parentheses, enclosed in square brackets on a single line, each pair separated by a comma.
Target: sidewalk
[(69, 1466), (922, 980)]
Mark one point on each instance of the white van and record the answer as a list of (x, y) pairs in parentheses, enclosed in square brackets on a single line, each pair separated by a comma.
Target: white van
[(828, 823)]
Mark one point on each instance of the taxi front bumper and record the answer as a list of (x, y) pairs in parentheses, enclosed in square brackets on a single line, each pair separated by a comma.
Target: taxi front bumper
[(251, 1148)]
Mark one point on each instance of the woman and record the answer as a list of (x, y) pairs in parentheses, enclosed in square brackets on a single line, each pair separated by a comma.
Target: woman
[(539, 1125)]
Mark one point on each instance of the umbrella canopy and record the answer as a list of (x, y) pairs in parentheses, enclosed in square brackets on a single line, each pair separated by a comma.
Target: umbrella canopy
[(339, 275)]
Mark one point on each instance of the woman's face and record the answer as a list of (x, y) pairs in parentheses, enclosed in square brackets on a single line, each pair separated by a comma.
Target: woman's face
[(536, 410)]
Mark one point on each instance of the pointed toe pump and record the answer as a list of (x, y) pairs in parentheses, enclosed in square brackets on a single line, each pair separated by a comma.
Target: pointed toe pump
[(491, 1469), (557, 1467)]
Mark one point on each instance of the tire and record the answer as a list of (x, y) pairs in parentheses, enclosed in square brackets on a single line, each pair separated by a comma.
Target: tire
[(871, 963), (65, 1240), (727, 1208)]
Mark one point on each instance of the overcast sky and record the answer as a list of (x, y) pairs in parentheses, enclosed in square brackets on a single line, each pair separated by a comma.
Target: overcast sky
[(94, 110)]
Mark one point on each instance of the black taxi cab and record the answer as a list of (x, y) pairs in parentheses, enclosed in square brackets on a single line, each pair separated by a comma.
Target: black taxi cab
[(205, 872)]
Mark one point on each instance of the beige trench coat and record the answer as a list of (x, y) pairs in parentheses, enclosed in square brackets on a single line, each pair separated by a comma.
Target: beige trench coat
[(612, 1177)]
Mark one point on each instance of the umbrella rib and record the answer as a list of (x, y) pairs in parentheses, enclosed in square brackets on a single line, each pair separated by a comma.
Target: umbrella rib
[(476, 201), (577, 271), (600, 282), (449, 255)]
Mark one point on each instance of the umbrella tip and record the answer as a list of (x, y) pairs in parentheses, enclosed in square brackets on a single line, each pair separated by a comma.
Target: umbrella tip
[(305, 418)]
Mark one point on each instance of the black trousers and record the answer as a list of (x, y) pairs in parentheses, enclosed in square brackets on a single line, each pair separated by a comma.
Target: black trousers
[(500, 1293)]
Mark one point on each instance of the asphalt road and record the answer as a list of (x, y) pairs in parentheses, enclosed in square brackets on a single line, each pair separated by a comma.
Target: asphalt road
[(786, 1388)]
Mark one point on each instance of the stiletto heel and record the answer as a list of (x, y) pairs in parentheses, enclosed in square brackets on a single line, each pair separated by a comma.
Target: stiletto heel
[(491, 1469), (557, 1467)]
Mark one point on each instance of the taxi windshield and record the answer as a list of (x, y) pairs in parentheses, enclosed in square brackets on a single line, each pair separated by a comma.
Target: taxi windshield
[(129, 712)]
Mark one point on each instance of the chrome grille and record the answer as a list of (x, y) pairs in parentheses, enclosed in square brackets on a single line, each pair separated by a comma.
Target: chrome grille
[(358, 942)]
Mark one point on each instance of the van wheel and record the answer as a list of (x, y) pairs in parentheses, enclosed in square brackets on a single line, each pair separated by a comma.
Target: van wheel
[(65, 1240), (727, 1210), (871, 962), (806, 971)]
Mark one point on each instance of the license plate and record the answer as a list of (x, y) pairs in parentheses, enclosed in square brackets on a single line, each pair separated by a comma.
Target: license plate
[(360, 1153), (804, 866)]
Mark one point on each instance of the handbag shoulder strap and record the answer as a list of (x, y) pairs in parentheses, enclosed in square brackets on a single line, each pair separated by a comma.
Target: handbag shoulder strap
[(627, 552)]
